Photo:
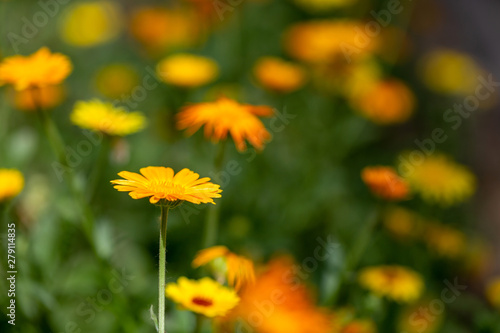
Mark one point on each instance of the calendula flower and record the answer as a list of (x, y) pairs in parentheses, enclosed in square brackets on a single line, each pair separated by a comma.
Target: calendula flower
[(40, 69), (239, 270), (402, 222), (415, 318), (47, 97), (385, 183), (445, 241), (205, 296), (187, 70), (493, 292), (106, 118), (293, 311), (91, 23), (278, 75), (227, 116), (386, 102), (11, 183), (116, 80), (440, 180), (320, 42), (323, 5), (395, 282), (160, 183)]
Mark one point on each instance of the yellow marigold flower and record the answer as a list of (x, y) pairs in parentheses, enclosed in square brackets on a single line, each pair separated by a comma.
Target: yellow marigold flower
[(324, 41), (239, 270), (493, 292), (386, 102), (324, 5), (11, 183), (104, 117), (91, 23), (205, 296), (294, 309), (395, 282), (402, 223), (160, 183), (187, 70), (445, 241), (279, 75), (385, 183), (47, 97), (227, 116), (40, 69), (116, 80), (415, 318), (439, 179), (449, 72)]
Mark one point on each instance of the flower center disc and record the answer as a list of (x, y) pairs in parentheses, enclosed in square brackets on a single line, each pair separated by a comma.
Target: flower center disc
[(202, 301)]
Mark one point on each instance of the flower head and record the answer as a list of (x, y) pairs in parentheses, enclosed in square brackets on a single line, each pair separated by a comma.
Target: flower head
[(279, 75), (11, 183), (160, 183), (493, 292), (104, 117), (444, 240), (239, 270), (440, 180), (402, 223), (205, 296), (40, 69), (227, 116), (385, 183), (48, 97), (395, 282), (417, 313), (187, 70)]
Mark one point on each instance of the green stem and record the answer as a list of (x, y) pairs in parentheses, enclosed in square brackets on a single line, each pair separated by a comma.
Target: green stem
[(356, 253), (213, 211), (161, 284), (102, 163), (199, 324)]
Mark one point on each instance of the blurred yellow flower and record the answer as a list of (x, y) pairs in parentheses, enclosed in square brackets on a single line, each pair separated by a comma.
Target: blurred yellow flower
[(325, 41), (402, 223), (11, 183), (159, 28), (385, 183), (323, 5), (441, 180), (187, 70), (104, 117), (493, 292), (239, 270), (47, 97), (227, 116), (449, 72), (91, 23), (205, 296), (386, 102), (415, 318), (40, 69), (160, 183), (395, 282), (445, 241), (116, 80), (294, 310), (279, 75)]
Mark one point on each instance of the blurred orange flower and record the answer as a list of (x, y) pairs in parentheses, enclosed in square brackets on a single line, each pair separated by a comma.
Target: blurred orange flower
[(40, 69), (239, 270), (385, 183), (48, 97), (227, 116), (279, 75)]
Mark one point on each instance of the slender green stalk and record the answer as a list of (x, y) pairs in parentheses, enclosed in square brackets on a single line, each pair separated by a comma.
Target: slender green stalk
[(161, 283), (99, 167), (213, 211), (199, 324)]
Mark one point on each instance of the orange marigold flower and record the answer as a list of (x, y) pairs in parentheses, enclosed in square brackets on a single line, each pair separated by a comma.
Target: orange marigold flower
[(48, 97), (227, 116), (239, 270), (279, 75), (40, 69), (385, 183), (160, 183), (294, 309)]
